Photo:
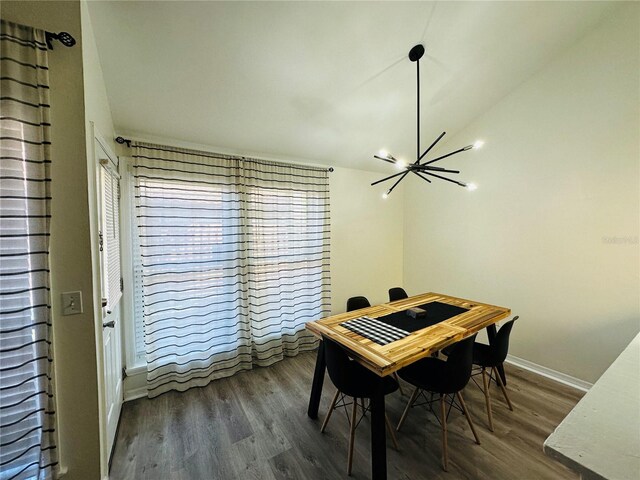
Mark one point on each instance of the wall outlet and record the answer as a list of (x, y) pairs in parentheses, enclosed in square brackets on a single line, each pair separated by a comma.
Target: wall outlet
[(71, 303)]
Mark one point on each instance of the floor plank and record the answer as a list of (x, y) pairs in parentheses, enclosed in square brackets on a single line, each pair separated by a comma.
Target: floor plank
[(254, 426)]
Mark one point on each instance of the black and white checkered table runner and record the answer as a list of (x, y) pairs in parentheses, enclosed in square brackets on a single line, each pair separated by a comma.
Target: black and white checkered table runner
[(375, 330)]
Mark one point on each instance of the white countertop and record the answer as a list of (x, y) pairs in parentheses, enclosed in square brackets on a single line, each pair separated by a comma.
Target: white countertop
[(600, 438)]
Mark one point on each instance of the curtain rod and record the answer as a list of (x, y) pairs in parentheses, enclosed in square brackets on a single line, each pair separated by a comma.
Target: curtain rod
[(65, 38), (122, 141)]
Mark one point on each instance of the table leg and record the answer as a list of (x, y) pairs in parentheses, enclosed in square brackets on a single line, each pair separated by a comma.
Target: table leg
[(318, 380), (491, 335), (378, 439)]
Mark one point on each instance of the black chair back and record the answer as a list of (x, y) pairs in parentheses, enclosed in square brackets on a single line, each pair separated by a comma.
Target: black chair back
[(458, 365), (348, 376), (500, 344), (356, 303), (397, 293)]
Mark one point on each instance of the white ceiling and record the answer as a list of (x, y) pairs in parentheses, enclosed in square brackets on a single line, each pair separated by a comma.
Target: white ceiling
[(325, 82)]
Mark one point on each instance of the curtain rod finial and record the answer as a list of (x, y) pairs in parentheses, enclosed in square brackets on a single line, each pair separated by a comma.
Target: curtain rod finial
[(122, 140), (65, 38)]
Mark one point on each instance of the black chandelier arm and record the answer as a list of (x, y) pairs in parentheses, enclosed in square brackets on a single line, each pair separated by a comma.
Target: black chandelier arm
[(422, 176), (445, 178), (423, 168), (384, 159), (464, 149), (387, 178), (429, 149), (404, 174)]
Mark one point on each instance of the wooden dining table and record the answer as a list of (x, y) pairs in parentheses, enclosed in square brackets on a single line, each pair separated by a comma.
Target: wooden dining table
[(383, 360)]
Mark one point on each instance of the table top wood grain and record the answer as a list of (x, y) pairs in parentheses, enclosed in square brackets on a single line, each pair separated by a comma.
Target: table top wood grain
[(386, 359)]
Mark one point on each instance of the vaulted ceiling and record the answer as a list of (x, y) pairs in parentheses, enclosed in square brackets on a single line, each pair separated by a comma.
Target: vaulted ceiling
[(325, 82)]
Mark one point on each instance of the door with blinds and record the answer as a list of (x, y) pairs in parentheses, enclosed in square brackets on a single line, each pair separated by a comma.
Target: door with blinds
[(110, 271)]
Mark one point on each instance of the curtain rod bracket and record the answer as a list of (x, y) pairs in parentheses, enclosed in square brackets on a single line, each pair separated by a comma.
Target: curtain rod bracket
[(65, 38), (122, 141)]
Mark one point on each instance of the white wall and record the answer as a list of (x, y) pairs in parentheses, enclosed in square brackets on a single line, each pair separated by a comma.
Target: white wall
[(70, 254), (552, 231)]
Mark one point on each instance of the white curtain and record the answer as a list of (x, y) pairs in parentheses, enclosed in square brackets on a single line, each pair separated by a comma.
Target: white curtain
[(234, 259), (27, 446)]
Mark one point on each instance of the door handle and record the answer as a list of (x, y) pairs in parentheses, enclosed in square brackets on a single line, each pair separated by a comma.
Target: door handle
[(109, 324)]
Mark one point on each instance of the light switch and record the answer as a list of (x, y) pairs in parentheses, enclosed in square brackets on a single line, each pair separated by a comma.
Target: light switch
[(71, 303)]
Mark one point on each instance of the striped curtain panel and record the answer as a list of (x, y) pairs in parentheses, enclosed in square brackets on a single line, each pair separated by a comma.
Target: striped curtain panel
[(27, 446), (233, 260)]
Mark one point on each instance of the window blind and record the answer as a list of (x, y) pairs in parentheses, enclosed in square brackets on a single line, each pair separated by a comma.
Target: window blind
[(233, 260), (27, 447), (110, 232)]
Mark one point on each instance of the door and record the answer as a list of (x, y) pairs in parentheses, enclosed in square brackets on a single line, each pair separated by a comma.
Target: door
[(111, 285)]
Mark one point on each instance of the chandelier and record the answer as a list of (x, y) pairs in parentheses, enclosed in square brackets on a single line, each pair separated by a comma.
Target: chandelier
[(421, 167)]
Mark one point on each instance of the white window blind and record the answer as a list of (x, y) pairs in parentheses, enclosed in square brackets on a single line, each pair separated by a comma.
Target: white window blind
[(232, 259), (27, 446), (110, 232)]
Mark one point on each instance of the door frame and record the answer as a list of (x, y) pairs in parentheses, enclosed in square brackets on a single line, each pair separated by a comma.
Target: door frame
[(94, 141)]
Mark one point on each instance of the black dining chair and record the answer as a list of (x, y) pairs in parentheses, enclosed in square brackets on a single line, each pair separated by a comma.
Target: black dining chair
[(356, 303), (446, 378), (353, 380), (397, 293), (490, 357)]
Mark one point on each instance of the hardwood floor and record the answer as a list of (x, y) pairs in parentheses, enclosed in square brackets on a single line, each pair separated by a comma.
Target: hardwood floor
[(254, 426)]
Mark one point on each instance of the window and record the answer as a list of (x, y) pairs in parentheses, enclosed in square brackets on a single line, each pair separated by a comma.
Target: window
[(110, 233), (230, 260)]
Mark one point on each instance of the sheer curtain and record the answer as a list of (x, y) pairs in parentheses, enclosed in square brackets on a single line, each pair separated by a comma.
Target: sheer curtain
[(233, 260), (27, 446)]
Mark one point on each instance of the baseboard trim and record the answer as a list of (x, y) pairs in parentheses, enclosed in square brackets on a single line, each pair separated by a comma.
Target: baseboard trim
[(550, 373), (135, 393), (559, 377)]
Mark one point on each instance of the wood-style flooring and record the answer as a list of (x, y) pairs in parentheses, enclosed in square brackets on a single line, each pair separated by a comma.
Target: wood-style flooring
[(255, 426)]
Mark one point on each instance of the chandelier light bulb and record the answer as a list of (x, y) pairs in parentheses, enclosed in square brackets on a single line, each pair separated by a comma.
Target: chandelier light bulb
[(385, 195), (478, 144), (401, 164), (472, 186), (383, 154)]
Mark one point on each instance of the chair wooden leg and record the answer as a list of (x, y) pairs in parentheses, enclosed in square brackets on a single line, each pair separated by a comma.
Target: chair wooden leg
[(504, 390), (331, 408), (352, 434), (414, 395), (487, 397), (397, 378), (443, 421), (391, 432), (466, 414)]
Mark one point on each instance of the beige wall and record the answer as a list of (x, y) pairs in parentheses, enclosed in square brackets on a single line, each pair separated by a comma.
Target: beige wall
[(70, 254), (552, 231), (366, 238)]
